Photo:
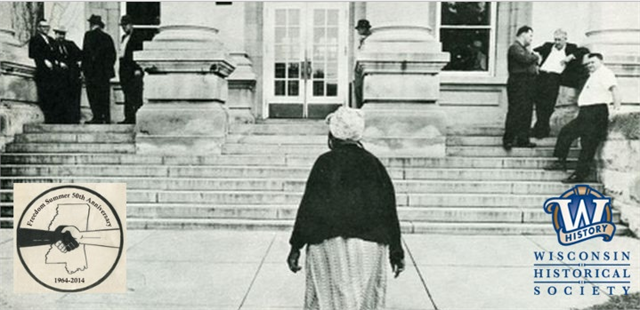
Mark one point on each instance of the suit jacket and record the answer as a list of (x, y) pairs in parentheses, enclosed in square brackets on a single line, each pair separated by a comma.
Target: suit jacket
[(521, 61), (127, 65), (40, 51), (69, 54), (572, 72), (99, 56)]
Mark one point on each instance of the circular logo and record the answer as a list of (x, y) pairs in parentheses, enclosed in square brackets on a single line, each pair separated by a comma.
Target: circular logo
[(69, 238)]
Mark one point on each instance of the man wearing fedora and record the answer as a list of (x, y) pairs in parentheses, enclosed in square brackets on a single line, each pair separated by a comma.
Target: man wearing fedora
[(69, 56), (364, 31), (42, 49), (98, 58), (130, 72)]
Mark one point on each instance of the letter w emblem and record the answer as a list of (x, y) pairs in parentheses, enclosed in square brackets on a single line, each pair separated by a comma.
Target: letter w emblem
[(581, 216)]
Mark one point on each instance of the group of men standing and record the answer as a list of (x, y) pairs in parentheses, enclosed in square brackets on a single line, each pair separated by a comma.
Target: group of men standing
[(558, 72), (61, 67)]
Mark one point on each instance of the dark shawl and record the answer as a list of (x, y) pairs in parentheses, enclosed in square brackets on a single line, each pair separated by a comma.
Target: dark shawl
[(348, 194)]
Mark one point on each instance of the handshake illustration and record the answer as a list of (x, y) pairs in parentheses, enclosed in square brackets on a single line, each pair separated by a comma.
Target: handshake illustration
[(67, 238)]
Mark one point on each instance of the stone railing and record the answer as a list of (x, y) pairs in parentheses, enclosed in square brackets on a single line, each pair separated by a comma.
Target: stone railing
[(619, 167)]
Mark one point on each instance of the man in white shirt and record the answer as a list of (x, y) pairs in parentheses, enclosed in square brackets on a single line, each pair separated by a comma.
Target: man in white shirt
[(590, 126), (558, 65)]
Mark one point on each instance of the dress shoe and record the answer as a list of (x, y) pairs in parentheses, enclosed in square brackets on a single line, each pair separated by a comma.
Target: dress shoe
[(507, 146), (574, 178), (93, 121), (558, 165), (526, 144), (126, 122)]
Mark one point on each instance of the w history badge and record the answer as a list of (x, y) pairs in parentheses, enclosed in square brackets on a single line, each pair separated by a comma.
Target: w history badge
[(580, 214)]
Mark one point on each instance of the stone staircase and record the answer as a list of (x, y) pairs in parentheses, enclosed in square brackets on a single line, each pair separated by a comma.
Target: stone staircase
[(259, 179)]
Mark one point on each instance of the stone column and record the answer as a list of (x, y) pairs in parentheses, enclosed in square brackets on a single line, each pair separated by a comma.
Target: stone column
[(242, 83), (401, 66), (185, 90), (17, 90), (6, 30), (614, 31)]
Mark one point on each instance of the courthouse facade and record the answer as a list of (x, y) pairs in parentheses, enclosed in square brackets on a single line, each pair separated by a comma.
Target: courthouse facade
[(432, 70), (296, 60)]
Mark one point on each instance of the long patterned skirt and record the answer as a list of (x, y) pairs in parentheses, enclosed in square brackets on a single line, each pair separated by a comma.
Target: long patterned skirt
[(346, 274)]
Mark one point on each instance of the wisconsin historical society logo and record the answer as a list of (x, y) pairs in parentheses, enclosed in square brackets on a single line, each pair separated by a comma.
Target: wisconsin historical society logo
[(580, 214), (69, 238)]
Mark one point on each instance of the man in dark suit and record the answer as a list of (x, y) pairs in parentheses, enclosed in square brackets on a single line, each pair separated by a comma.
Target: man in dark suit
[(69, 56), (364, 31), (523, 67), (98, 58), (561, 63), (42, 49), (130, 72)]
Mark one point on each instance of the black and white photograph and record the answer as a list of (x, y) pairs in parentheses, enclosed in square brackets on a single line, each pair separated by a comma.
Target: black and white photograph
[(322, 155)]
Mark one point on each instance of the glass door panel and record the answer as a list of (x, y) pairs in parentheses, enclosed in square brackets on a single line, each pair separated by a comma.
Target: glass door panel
[(305, 59)]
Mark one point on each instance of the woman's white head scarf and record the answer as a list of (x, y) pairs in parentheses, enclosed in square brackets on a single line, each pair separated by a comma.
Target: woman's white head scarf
[(346, 123)]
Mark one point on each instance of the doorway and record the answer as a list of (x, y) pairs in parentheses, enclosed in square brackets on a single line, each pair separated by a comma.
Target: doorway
[(306, 70)]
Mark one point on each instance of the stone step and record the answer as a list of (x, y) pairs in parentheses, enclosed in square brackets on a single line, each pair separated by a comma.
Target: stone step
[(71, 148), (64, 137), (154, 171), (48, 128), (298, 128), (243, 172), (277, 139), (298, 185), (494, 141), (479, 174), (288, 212), (241, 148), (406, 226), (494, 151), (281, 197), (292, 160), (138, 159), (475, 131)]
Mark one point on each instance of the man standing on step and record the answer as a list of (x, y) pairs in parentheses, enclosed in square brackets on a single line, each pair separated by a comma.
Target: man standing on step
[(99, 56), (364, 31), (591, 124), (130, 72), (68, 56), (523, 67), (42, 51), (560, 65)]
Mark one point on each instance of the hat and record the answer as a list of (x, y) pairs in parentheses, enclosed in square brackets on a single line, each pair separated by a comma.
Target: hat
[(60, 29), (43, 23), (346, 123), (126, 20), (96, 20), (363, 23)]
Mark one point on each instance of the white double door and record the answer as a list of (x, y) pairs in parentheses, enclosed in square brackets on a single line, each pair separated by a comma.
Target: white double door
[(305, 64)]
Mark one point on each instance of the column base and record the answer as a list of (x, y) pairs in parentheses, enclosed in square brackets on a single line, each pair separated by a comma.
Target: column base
[(181, 128), (405, 130), (241, 116)]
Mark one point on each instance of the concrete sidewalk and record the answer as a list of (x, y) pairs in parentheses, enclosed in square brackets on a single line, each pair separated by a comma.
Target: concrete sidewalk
[(216, 269)]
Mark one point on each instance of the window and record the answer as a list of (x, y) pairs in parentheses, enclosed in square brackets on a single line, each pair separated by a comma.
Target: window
[(146, 17), (467, 32)]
